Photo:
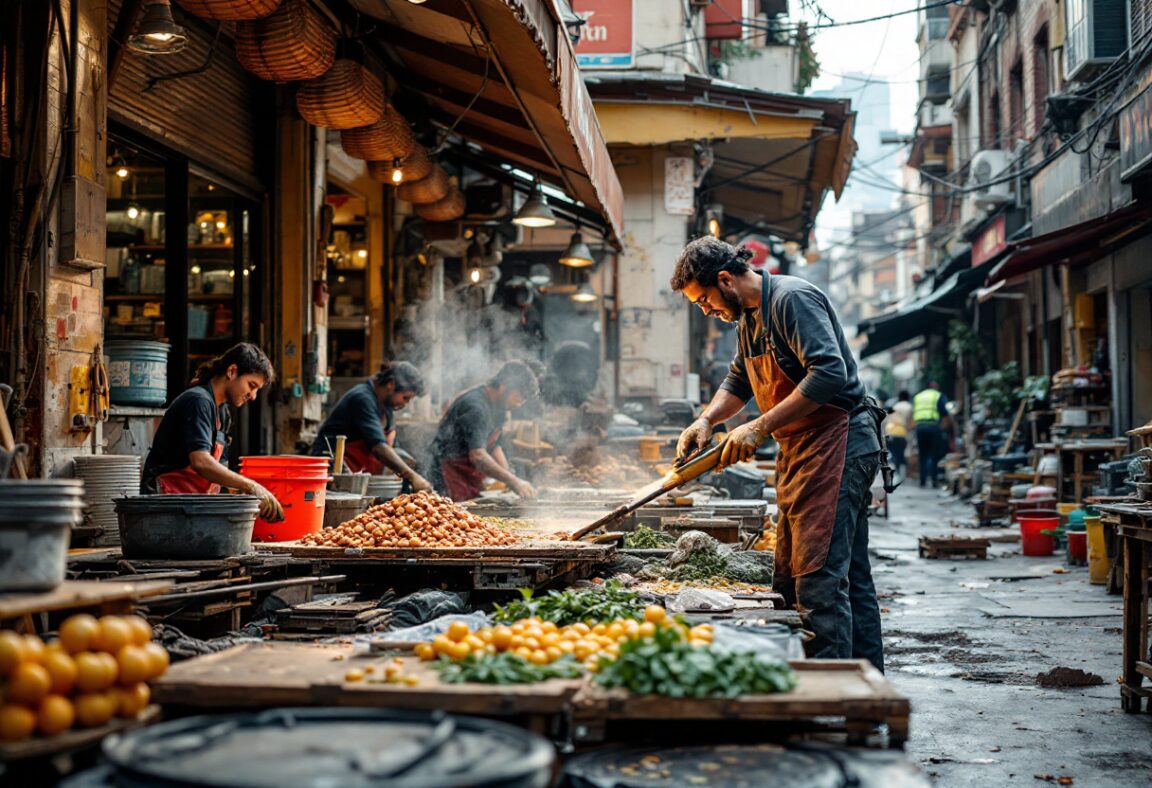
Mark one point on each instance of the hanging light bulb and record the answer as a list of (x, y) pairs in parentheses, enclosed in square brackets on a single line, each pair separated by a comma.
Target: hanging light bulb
[(133, 211), (121, 172), (584, 294), (474, 276), (362, 254), (194, 270), (540, 274), (417, 2), (535, 212), (577, 255), (158, 33), (397, 172)]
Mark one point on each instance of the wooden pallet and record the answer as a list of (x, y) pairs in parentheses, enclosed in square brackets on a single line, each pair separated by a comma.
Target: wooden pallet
[(103, 597), (938, 547), (341, 615), (73, 740), (538, 550)]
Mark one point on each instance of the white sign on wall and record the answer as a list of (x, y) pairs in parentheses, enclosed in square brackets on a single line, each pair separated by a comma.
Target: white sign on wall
[(679, 185)]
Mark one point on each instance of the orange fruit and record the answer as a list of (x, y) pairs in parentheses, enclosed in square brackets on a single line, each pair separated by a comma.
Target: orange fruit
[(159, 657), (140, 631), (17, 723), (461, 651), (12, 646), (78, 633), (442, 644), (425, 651), (91, 672), (354, 675), (457, 631), (56, 715), (114, 634), (29, 683), (134, 665), (132, 700), (95, 708), (502, 638), (655, 614), (62, 668), (34, 649), (647, 629)]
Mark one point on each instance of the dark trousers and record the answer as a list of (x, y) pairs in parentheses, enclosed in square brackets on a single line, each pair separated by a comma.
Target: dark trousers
[(896, 448), (929, 440), (838, 600)]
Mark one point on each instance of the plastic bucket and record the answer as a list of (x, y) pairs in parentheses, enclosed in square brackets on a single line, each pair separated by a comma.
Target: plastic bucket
[(1077, 547), (1098, 566), (36, 521), (1032, 542), (186, 527), (298, 483), (137, 372)]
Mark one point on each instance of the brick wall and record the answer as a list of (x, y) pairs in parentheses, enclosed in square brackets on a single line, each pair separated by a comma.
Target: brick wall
[(1022, 55)]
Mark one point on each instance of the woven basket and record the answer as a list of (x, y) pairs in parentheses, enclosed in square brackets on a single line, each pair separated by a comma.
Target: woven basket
[(292, 44), (230, 10), (348, 96), (387, 139), (433, 188), (445, 210), (416, 165)]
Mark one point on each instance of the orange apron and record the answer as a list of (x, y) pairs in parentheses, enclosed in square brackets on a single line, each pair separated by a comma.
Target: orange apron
[(187, 480), (461, 478), (808, 467), (358, 456)]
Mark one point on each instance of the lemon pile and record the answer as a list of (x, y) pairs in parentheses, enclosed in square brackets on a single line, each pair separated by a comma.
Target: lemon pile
[(96, 670)]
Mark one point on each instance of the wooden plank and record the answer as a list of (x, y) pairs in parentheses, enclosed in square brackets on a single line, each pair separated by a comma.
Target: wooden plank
[(79, 593), (71, 741), (574, 551)]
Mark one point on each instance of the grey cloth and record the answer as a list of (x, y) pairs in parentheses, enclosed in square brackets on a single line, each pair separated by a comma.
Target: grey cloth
[(799, 325)]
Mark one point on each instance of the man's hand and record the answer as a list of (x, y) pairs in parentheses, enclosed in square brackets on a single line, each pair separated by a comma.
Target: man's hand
[(742, 443), (523, 489), (419, 483), (697, 435), (270, 508)]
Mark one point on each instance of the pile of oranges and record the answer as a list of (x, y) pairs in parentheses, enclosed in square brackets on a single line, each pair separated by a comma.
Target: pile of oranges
[(542, 642), (96, 670)]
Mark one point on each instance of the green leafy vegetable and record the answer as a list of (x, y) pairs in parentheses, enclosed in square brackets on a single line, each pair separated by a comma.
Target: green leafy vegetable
[(563, 608), (505, 668), (644, 538)]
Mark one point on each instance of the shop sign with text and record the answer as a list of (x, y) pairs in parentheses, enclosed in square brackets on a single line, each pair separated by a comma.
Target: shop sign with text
[(607, 39)]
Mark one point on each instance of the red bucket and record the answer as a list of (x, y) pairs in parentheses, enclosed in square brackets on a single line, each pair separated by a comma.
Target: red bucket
[(1078, 546), (1032, 542), (298, 484)]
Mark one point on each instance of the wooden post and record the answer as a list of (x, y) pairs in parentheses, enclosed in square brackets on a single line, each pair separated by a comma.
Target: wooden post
[(1015, 426), (1071, 351)]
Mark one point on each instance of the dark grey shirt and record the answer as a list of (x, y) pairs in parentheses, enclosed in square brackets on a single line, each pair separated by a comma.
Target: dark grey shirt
[(797, 324)]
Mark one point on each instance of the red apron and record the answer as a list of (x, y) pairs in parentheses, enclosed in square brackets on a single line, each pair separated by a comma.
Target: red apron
[(808, 466), (187, 480), (463, 480), (358, 456)]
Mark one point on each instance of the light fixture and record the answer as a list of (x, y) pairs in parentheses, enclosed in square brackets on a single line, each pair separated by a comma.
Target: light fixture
[(540, 274), (714, 227), (133, 211), (246, 272), (584, 294), (362, 254), (474, 276), (577, 255), (232, 274), (221, 224), (535, 212), (341, 279), (397, 172), (157, 33), (417, 2), (194, 270), (121, 172)]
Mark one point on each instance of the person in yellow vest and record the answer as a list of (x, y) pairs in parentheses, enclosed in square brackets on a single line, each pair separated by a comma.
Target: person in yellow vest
[(929, 409)]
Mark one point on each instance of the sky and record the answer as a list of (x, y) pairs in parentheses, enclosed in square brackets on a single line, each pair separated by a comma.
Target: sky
[(883, 49)]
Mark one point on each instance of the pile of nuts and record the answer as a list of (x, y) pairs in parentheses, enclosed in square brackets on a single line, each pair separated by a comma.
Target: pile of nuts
[(417, 520)]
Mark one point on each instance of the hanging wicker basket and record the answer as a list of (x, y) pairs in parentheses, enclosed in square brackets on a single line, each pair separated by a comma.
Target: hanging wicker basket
[(416, 165), (445, 210), (293, 43), (433, 188), (348, 96), (230, 10), (387, 139)]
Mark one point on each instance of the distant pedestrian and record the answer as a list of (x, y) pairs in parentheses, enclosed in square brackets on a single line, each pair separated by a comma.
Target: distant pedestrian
[(896, 427), (929, 409)]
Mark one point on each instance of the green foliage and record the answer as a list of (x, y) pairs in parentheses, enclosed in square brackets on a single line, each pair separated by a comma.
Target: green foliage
[(644, 538), (996, 389), (573, 606), (1035, 388), (504, 668), (809, 67), (964, 344)]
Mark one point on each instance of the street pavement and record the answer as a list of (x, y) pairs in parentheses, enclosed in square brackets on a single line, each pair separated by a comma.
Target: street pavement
[(965, 640)]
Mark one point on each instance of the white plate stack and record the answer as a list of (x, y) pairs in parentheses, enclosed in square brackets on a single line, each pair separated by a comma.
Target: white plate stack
[(386, 485), (106, 478)]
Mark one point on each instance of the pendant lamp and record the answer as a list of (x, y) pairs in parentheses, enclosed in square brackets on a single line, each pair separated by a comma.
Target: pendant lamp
[(157, 33)]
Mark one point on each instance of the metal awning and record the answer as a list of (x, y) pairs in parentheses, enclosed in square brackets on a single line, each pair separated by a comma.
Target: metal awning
[(776, 156), (503, 75)]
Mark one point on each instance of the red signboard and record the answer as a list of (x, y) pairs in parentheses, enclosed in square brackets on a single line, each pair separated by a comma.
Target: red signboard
[(607, 39), (724, 19), (989, 243)]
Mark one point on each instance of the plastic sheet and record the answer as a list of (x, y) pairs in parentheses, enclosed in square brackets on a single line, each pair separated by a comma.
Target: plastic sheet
[(429, 630)]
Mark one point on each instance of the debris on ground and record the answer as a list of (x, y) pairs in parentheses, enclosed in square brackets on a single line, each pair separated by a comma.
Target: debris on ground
[(1068, 677), (1051, 778)]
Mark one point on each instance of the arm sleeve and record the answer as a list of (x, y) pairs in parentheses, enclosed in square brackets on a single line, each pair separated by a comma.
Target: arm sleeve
[(942, 406), (473, 426), (737, 380), (367, 420), (200, 426), (812, 339)]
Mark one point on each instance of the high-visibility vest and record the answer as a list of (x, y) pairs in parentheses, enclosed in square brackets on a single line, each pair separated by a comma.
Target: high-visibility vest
[(925, 406)]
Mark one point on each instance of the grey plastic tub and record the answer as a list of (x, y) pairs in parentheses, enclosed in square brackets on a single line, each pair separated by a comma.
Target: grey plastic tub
[(186, 527), (340, 507), (36, 521)]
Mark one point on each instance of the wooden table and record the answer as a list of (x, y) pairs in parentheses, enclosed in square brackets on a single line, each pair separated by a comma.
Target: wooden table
[(1134, 529), (103, 596), (1079, 450)]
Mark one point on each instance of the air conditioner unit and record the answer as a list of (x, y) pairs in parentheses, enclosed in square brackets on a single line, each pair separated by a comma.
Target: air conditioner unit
[(985, 190), (1097, 35)]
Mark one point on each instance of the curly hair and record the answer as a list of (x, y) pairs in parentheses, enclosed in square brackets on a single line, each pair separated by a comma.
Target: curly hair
[(517, 376), (703, 259), (404, 374)]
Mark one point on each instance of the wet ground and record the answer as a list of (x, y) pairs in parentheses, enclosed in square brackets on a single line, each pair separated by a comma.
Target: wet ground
[(966, 639)]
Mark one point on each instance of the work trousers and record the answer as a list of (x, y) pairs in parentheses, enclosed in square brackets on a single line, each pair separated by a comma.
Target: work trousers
[(897, 448), (838, 600), (929, 440)]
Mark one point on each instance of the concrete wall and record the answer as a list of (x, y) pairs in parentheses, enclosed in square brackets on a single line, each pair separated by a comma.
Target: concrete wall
[(774, 68), (660, 24)]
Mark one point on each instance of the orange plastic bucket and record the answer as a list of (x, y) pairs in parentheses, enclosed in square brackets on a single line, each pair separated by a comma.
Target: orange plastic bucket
[(1032, 542), (298, 484)]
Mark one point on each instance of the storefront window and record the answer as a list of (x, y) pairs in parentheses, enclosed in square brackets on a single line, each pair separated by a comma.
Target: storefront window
[(134, 284), (348, 254)]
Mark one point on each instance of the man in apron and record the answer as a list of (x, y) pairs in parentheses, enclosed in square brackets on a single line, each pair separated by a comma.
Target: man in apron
[(793, 358)]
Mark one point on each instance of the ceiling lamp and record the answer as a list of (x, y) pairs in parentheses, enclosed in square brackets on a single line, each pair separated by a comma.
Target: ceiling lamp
[(540, 274), (577, 255), (158, 33), (535, 212), (584, 294)]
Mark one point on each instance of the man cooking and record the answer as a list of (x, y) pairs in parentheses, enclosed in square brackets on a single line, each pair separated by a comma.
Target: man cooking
[(466, 449), (792, 357), (364, 415), (187, 454)]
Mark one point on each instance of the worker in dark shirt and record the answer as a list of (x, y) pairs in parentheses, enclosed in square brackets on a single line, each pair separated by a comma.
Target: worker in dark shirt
[(792, 357), (188, 450), (364, 415), (466, 449)]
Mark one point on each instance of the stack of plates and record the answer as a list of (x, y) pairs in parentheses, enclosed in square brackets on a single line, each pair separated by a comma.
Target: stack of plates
[(107, 477), (386, 485)]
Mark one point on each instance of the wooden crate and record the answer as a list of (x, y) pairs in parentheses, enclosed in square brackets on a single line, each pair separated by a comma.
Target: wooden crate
[(937, 547), (101, 597), (73, 740)]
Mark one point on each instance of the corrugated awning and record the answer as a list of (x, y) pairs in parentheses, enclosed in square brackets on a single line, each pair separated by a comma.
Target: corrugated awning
[(502, 73), (776, 156)]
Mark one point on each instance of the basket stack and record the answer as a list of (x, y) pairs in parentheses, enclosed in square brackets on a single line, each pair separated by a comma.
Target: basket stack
[(230, 10), (445, 210), (432, 188), (293, 43), (416, 165), (345, 97), (388, 138)]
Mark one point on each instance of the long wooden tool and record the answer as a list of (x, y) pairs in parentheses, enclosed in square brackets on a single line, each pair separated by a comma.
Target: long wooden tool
[(686, 471)]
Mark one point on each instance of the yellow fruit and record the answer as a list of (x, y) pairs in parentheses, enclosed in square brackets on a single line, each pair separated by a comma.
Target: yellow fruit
[(62, 668), (158, 655), (553, 653), (566, 646), (410, 681), (56, 715), (11, 651), (443, 645), (581, 628), (28, 684), (34, 649), (78, 633), (485, 635), (646, 630), (524, 651), (91, 672), (550, 639), (425, 651), (139, 630), (614, 631), (538, 657), (94, 708), (548, 626), (134, 665), (111, 667), (474, 643), (655, 614), (17, 723), (516, 642), (114, 634), (460, 651), (132, 700), (354, 675), (599, 629), (458, 630), (502, 638), (592, 665)]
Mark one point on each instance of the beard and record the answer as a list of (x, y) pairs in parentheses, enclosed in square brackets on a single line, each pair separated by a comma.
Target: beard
[(732, 310)]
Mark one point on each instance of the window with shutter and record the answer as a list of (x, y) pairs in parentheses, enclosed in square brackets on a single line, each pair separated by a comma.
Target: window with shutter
[(1140, 12)]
